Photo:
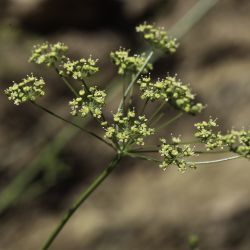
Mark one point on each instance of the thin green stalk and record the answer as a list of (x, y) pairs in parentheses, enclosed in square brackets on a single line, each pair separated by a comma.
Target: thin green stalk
[(66, 82), (86, 86), (144, 106), (169, 122), (90, 189), (131, 84), (154, 147), (157, 120), (193, 16), (143, 157), (130, 102), (216, 161), (196, 152), (212, 152), (123, 95), (156, 112), (72, 123)]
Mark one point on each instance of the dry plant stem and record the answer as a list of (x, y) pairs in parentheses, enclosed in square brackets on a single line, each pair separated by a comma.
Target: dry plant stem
[(72, 123), (90, 189)]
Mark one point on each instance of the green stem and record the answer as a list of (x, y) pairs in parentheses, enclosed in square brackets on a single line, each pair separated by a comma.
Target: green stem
[(216, 161), (196, 152), (213, 152), (123, 95), (156, 112), (192, 17), (169, 122), (71, 123), (90, 189), (86, 86), (155, 147), (144, 157), (144, 106), (157, 119), (66, 82), (130, 97), (131, 84)]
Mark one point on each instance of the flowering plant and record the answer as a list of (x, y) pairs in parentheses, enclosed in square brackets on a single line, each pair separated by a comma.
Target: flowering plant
[(126, 132)]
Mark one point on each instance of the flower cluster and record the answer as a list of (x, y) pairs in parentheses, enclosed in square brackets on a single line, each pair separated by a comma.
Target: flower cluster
[(48, 54), (79, 69), (170, 90), (241, 142), (91, 101), (175, 153), (236, 141), (128, 129), (129, 64), (158, 38), (27, 90), (205, 132)]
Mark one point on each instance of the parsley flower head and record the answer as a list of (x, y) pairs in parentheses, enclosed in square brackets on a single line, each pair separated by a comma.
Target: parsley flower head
[(158, 38), (175, 154), (27, 90), (79, 69), (128, 129), (91, 101), (172, 91), (129, 64), (236, 141), (48, 54)]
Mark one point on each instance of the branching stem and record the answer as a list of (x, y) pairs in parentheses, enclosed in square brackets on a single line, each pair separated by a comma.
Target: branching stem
[(156, 112), (169, 122), (72, 123)]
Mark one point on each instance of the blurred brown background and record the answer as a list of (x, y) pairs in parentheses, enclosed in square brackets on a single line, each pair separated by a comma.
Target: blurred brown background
[(44, 164)]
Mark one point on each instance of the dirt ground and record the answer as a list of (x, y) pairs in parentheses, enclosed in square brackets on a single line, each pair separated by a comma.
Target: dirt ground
[(139, 206)]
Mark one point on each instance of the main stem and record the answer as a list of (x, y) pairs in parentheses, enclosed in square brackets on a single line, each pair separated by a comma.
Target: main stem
[(90, 189)]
